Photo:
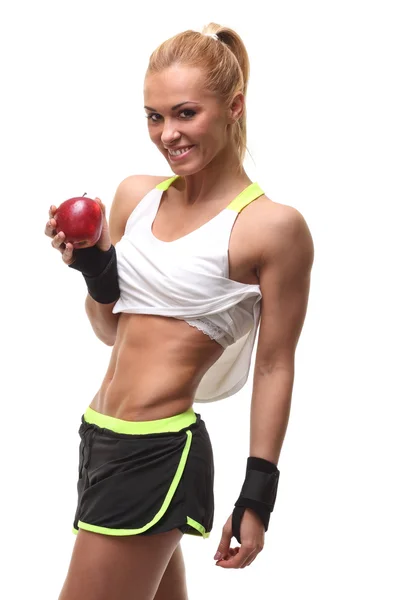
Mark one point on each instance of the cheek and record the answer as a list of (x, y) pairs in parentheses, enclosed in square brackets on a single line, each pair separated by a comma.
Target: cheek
[(207, 127), (215, 138), (154, 134), (211, 133)]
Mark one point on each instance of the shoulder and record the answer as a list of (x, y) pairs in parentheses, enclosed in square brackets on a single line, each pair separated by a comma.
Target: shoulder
[(129, 193), (284, 273), (133, 188), (281, 230)]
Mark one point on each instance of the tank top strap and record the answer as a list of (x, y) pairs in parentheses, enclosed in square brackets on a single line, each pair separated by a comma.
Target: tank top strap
[(252, 192), (164, 185)]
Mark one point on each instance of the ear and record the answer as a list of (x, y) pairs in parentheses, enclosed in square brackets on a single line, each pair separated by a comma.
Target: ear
[(236, 108)]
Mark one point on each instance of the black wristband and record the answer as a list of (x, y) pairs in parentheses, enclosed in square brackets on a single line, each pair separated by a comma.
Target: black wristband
[(258, 492), (99, 269), (91, 261)]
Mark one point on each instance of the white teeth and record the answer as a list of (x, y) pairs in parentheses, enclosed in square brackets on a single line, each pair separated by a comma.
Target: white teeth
[(178, 152)]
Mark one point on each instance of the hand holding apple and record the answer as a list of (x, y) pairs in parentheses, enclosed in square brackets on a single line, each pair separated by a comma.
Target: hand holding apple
[(80, 219), (60, 241)]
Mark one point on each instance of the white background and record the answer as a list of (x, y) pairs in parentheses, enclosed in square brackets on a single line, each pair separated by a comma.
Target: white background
[(323, 123)]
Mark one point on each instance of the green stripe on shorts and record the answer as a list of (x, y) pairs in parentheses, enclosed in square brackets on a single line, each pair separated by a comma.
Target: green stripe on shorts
[(163, 509), (175, 423)]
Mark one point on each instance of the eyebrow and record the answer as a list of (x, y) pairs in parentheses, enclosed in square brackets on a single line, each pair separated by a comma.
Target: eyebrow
[(174, 107)]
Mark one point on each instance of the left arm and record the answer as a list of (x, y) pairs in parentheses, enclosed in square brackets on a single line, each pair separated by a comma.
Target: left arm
[(284, 272)]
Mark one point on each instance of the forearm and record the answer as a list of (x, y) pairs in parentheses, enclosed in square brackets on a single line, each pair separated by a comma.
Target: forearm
[(270, 409), (104, 322)]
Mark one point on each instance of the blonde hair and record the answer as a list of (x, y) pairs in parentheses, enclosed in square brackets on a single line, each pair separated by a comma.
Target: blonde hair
[(225, 63)]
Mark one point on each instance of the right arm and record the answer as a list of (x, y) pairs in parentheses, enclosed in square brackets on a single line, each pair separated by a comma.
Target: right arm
[(103, 321), (127, 196), (129, 193)]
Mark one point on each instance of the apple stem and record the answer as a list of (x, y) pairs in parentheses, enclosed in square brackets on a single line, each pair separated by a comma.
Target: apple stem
[(84, 194)]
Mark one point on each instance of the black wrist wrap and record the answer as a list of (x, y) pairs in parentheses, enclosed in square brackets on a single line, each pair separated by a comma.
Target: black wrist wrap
[(99, 268), (258, 492)]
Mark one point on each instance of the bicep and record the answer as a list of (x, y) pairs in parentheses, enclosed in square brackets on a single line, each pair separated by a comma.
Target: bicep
[(285, 282)]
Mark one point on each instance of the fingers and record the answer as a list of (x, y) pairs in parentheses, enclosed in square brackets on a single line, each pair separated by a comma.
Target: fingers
[(58, 242), (235, 561), (67, 254), (103, 208), (50, 229), (223, 548), (252, 537), (66, 249), (239, 558)]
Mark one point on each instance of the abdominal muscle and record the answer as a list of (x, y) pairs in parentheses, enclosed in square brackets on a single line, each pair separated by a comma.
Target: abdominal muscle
[(155, 368)]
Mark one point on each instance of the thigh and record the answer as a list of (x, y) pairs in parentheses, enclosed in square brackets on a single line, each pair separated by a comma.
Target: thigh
[(107, 567), (173, 583)]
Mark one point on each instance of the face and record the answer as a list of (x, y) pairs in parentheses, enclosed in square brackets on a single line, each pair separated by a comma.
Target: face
[(187, 123)]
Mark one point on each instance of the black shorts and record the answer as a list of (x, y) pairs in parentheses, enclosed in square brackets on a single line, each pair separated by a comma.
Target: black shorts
[(145, 477)]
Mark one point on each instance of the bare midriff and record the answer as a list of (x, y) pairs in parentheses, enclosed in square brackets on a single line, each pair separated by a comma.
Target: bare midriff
[(158, 362), (155, 367)]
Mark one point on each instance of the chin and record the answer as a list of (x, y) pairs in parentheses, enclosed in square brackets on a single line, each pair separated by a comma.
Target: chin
[(184, 171)]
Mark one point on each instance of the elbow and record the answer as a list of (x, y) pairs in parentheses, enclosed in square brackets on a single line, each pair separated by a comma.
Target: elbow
[(106, 336), (267, 368), (106, 339), (104, 323)]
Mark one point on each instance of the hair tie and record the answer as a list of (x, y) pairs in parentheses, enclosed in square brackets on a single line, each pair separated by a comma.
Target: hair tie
[(213, 35)]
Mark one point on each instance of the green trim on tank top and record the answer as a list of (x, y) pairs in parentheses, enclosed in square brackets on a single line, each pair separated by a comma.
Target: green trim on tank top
[(164, 185), (250, 193)]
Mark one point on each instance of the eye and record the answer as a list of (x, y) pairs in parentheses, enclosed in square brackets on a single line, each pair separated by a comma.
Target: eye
[(155, 117), (151, 115), (187, 110)]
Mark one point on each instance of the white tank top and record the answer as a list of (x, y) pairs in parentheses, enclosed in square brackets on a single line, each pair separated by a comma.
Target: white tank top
[(188, 279)]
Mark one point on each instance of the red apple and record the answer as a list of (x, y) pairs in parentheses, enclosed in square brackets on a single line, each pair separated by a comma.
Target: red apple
[(81, 220)]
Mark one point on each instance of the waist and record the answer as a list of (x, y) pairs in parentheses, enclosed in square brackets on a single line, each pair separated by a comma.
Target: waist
[(175, 422), (155, 367)]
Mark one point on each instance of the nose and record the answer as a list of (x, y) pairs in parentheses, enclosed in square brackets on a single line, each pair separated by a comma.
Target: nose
[(169, 134)]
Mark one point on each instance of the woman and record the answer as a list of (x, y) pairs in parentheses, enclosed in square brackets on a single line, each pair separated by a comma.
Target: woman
[(181, 314)]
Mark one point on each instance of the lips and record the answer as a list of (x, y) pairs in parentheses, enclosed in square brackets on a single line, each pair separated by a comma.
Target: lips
[(170, 150), (182, 155)]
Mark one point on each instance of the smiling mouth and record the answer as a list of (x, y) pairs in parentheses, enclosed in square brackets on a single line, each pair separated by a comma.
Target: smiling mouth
[(179, 153)]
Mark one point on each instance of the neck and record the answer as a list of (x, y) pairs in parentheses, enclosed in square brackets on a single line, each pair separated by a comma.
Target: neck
[(222, 177)]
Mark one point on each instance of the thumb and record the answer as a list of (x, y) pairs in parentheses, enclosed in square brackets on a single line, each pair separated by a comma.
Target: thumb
[(100, 203), (224, 545)]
